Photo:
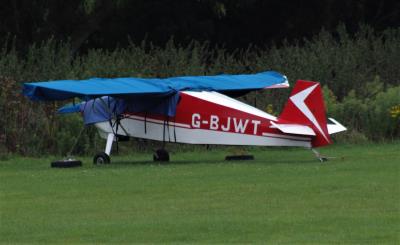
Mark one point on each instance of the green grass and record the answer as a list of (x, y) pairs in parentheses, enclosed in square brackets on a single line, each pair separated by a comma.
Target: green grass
[(284, 196)]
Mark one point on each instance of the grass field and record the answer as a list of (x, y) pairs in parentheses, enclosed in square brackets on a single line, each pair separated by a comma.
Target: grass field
[(283, 196)]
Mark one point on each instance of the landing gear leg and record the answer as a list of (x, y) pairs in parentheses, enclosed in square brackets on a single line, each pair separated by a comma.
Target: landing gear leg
[(319, 156), (104, 157)]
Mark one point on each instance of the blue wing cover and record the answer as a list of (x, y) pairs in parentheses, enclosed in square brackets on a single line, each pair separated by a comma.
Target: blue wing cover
[(107, 97), (132, 87)]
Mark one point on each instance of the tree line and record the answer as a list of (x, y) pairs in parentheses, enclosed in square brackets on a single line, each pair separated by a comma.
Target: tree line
[(108, 24)]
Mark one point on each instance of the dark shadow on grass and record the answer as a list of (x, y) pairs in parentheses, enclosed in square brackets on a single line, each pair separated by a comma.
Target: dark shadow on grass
[(173, 162), (222, 161)]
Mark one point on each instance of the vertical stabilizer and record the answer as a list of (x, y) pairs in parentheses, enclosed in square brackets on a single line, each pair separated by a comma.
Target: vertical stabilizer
[(306, 107)]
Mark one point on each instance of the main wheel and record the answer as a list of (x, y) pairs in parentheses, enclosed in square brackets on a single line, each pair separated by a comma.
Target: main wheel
[(161, 155), (101, 158)]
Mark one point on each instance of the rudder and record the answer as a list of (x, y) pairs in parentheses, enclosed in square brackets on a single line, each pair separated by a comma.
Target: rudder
[(306, 107)]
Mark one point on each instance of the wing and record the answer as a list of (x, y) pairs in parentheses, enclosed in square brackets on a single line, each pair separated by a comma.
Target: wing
[(135, 87)]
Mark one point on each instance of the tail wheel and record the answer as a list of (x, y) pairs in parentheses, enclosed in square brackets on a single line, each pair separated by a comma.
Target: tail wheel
[(101, 158)]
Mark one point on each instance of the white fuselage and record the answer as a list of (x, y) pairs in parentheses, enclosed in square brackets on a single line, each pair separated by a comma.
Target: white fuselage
[(206, 118)]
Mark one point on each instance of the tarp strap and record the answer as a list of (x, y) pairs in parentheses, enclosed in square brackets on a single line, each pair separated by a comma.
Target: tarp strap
[(174, 129), (117, 122), (145, 122), (120, 117), (163, 146), (169, 135)]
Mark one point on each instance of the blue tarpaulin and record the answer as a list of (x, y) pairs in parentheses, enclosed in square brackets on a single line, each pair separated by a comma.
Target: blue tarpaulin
[(105, 108), (107, 97), (131, 87)]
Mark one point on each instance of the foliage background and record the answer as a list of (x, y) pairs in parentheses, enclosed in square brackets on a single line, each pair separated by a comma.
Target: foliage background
[(107, 24), (360, 74)]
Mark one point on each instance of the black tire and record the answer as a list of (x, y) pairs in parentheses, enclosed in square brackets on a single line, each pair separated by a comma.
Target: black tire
[(101, 158), (239, 157), (161, 155), (69, 163)]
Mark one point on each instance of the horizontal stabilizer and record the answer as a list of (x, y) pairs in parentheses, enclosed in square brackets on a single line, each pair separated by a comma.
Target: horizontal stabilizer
[(336, 127), (294, 129)]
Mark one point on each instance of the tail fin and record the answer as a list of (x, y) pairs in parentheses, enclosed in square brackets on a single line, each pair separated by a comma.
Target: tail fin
[(306, 107)]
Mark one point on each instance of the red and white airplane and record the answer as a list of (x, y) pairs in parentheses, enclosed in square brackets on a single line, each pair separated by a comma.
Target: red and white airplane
[(213, 118), (210, 117)]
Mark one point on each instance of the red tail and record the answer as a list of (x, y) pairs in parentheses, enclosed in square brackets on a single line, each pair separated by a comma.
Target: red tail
[(306, 107)]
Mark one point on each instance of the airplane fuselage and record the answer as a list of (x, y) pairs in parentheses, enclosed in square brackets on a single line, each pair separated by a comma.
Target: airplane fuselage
[(207, 118)]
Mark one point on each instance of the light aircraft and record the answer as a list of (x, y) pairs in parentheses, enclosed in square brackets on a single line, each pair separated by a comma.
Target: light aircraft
[(194, 110)]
